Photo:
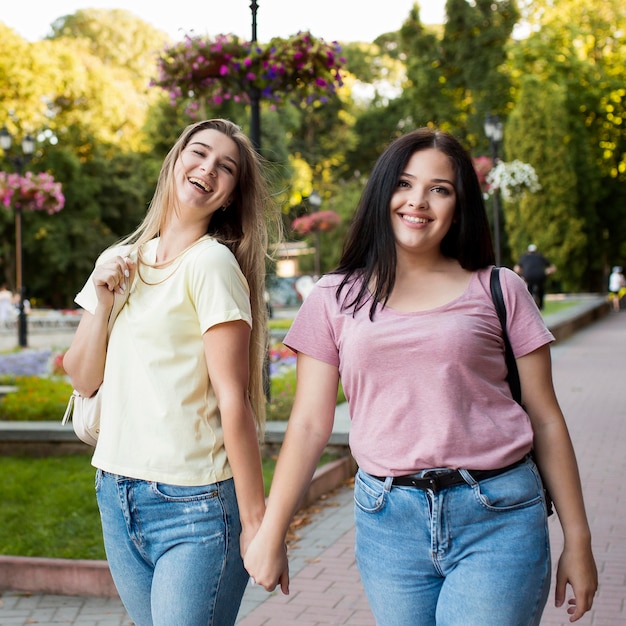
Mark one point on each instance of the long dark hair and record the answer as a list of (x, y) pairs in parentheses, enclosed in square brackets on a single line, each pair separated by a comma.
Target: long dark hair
[(369, 252)]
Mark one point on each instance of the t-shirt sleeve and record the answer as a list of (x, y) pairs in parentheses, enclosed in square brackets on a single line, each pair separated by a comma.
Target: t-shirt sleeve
[(526, 327), (87, 298), (218, 288), (315, 328)]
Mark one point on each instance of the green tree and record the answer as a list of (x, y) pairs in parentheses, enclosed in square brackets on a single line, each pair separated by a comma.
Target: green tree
[(119, 39), (549, 218), (454, 79), (581, 49), (474, 49)]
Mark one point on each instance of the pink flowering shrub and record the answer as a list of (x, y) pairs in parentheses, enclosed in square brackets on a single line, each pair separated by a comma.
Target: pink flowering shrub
[(319, 221), (483, 165), (31, 192), (225, 68)]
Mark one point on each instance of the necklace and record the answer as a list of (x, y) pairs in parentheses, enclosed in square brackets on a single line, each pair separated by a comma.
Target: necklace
[(174, 261)]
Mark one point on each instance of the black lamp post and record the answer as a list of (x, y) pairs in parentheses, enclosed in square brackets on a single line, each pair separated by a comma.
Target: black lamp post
[(494, 132), (255, 137), (18, 162), (255, 96), (315, 200)]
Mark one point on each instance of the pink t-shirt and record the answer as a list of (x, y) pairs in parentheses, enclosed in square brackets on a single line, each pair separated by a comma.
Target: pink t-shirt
[(427, 389)]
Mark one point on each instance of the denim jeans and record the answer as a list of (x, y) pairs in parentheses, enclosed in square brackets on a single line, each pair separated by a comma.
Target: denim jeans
[(474, 554), (173, 551)]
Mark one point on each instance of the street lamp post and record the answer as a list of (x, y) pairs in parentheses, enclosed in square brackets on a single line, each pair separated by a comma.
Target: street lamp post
[(18, 162), (315, 200), (255, 114), (494, 132)]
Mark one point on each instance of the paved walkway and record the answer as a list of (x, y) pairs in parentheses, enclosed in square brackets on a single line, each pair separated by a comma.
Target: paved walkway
[(589, 374)]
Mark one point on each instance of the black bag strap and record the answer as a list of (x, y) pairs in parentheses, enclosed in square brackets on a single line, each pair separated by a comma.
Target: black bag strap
[(512, 375), (498, 300)]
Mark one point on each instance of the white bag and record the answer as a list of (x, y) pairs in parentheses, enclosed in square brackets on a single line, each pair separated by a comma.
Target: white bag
[(85, 412), (85, 416)]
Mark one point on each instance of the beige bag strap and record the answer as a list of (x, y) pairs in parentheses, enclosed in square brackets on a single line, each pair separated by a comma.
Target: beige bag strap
[(119, 301)]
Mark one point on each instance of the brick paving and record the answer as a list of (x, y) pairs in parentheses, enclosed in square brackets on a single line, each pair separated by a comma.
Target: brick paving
[(589, 374)]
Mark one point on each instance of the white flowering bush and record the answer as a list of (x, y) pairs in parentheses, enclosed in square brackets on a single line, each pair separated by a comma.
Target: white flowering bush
[(512, 179)]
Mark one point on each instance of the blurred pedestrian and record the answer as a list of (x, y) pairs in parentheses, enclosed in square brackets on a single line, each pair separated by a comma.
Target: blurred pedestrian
[(617, 286), (7, 311), (535, 268)]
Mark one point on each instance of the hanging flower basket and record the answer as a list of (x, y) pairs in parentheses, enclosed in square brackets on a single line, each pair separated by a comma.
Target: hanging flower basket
[(513, 179), (31, 192), (301, 67)]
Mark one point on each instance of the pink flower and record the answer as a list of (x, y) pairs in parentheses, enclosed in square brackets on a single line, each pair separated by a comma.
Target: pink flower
[(483, 166), (319, 221), (32, 192), (210, 69)]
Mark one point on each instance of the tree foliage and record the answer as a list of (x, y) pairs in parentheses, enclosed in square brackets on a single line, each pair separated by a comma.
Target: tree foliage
[(581, 50), (558, 86), (547, 217)]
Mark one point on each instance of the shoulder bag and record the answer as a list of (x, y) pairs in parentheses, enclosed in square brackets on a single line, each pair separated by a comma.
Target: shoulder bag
[(85, 412)]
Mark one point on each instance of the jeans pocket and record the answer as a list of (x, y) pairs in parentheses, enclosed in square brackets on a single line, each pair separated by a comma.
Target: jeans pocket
[(179, 493), (516, 489), (369, 493)]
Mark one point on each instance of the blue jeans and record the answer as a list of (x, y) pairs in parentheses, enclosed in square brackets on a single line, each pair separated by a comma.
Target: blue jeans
[(474, 554), (173, 551)]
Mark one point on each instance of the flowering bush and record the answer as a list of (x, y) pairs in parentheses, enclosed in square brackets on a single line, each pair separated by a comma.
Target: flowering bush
[(319, 221), (482, 165), (281, 360), (32, 192), (57, 364), (512, 179), (227, 68), (38, 398)]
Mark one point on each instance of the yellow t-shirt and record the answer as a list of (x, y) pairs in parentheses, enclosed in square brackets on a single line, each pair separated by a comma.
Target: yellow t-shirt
[(160, 421)]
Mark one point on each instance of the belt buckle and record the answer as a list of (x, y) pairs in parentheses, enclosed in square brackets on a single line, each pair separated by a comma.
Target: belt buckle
[(434, 481)]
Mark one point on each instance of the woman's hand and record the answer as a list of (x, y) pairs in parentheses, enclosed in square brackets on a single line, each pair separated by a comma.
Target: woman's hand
[(112, 277), (557, 463), (267, 564), (85, 358), (576, 567)]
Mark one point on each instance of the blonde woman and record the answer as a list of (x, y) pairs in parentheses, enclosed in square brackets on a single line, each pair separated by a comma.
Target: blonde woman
[(179, 482)]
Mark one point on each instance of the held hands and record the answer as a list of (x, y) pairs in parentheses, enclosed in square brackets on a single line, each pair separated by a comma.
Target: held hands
[(576, 567), (267, 564)]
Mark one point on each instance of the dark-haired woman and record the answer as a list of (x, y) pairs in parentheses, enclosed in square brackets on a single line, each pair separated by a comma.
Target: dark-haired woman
[(450, 513)]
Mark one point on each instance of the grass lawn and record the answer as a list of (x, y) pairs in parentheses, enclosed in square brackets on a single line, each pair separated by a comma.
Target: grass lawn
[(49, 506), (552, 306)]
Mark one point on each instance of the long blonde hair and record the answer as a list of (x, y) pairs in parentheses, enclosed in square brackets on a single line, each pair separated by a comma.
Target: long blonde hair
[(244, 228)]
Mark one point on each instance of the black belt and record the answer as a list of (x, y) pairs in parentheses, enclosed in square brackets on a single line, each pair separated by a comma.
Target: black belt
[(447, 478)]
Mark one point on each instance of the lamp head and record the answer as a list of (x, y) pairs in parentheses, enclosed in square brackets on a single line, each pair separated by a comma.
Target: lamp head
[(315, 200), (5, 139)]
